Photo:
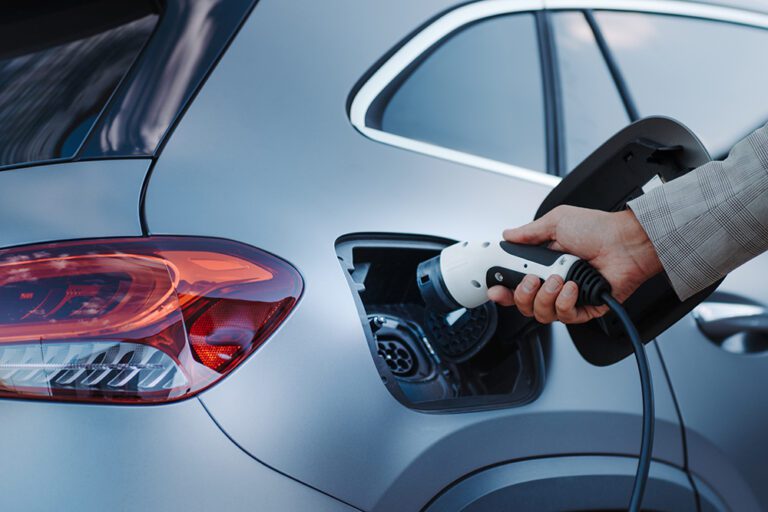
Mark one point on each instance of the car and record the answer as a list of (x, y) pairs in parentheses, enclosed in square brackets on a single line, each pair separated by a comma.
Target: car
[(211, 214)]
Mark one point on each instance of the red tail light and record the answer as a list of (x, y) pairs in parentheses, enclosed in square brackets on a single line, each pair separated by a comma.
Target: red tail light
[(139, 320)]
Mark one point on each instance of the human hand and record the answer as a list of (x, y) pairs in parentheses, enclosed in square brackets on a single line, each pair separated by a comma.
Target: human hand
[(615, 244)]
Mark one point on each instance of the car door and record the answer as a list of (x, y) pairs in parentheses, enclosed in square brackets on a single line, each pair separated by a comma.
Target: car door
[(293, 176), (705, 73)]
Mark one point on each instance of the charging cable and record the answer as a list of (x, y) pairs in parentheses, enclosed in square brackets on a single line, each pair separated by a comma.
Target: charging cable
[(646, 443)]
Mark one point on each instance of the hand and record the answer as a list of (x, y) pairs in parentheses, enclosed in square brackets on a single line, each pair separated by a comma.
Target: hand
[(614, 243)]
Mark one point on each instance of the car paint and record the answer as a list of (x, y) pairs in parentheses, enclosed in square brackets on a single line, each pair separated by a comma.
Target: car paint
[(720, 395), (71, 200), (283, 169), (310, 402), (172, 457), (566, 483)]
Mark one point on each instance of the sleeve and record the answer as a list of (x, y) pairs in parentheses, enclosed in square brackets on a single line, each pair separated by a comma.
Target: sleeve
[(713, 219)]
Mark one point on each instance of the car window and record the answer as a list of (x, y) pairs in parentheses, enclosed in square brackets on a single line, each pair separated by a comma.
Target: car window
[(59, 63), (591, 104), (479, 92), (709, 75)]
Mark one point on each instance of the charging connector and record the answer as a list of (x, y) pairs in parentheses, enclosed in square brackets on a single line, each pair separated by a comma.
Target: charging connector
[(462, 274)]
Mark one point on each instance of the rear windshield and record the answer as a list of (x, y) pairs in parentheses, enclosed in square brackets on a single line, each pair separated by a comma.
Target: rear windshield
[(60, 60)]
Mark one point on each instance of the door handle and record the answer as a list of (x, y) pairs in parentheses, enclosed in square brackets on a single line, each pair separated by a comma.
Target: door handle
[(720, 320)]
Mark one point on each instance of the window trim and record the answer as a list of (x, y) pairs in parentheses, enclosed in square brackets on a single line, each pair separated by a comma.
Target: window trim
[(457, 18)]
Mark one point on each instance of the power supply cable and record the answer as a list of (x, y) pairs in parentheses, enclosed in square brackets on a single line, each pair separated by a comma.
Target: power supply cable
[(646, 443)]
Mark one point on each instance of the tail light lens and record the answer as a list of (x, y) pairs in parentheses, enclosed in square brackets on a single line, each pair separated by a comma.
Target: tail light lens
[(141, 320)]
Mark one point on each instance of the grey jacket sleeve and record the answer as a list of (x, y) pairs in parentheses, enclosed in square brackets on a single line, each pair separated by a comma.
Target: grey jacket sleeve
[(710, 221)]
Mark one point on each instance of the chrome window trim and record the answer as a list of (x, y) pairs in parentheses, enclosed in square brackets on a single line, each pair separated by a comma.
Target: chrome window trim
[(469, 13)]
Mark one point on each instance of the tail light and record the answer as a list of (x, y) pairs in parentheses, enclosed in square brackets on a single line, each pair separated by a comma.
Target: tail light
[(141, 320)]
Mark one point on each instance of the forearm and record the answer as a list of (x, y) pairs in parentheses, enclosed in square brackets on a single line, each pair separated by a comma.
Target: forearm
[(705, 224)]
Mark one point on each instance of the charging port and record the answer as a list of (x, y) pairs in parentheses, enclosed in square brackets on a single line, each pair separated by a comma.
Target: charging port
[(472, 359)]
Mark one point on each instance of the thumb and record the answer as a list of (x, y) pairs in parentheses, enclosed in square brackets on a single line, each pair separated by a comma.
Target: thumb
[(536, 232)]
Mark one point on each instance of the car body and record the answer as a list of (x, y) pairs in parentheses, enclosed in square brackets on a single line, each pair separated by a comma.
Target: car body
[(255, 124)]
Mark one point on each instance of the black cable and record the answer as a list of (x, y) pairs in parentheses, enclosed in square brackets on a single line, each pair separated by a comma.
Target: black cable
[(646, 444)]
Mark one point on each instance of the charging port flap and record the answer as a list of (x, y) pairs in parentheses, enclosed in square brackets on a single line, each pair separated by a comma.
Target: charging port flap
[(641, 156)]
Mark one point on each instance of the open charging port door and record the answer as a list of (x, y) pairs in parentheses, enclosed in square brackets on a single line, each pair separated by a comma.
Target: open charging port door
[(645, 154)]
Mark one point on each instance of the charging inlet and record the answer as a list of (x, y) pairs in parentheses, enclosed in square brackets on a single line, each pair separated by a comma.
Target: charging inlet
[(434, 360)]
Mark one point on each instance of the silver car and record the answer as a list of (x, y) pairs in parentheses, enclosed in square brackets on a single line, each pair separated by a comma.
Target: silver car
[(211, 213)]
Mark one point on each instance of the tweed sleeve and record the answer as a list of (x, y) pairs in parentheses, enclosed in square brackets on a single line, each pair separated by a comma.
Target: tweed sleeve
[(713, 219)]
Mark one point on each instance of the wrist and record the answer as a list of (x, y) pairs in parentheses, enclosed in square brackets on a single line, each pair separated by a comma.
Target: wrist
[(639, 245)]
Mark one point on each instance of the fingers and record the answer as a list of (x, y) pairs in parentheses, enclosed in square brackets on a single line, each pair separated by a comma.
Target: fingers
[(565, 305), (501, 295), (548, 301), (566, 309), (552, 300), (536, 232), (544, 303), (525, 293)]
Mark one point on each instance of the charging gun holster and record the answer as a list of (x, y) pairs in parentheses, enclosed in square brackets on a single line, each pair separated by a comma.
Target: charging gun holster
[(644, 154)]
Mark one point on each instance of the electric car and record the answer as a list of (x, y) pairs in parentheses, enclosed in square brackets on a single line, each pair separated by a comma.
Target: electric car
[(211, 214)]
